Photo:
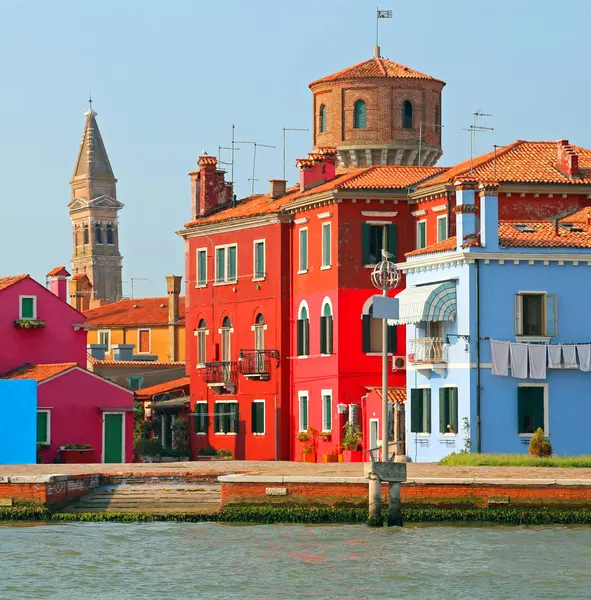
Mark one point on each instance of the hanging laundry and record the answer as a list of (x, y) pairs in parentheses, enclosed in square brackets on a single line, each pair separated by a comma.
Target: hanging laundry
[(569, 356), (554, 356), (500, 358), (537, 361), (519, 360), (584, 352)]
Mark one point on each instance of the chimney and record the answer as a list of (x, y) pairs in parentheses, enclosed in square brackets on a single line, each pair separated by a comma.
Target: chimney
[(57, 280), (318, 168), (567, 159), (173, 288), (489, 216), (465, 211), (80, 292), (209, 190), (123, 351), (97, 351), (278, 188)]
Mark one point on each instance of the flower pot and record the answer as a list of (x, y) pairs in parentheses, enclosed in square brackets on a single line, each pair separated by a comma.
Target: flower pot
[(308, 457), (352, 456), (76, 456), (330, 458)]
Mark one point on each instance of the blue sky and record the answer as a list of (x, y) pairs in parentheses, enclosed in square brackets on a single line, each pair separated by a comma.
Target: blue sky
[(169, 78)]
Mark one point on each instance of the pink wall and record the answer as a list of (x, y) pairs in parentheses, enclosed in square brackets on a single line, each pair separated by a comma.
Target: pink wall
[(75, 418), (57, 342)]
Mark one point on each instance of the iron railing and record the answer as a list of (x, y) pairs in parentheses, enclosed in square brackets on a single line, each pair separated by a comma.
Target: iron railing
[(257, 362), (220, 372), (426, 351)]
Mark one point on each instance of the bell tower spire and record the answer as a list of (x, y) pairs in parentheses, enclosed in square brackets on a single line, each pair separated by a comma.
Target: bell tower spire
[(93, 212)]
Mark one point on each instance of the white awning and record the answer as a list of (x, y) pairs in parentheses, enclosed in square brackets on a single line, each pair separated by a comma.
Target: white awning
[(432, 302)]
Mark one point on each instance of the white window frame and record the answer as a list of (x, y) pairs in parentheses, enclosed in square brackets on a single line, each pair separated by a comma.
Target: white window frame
[(425, 434), (205, 332), (450, 386), (300, 231), (255, 277), (518, 316), (235, 401), (197, 252), (206, 415), (327, 301), (439, 219), (48, 427), (325, 266), (264, 417), (546, 407), (418, 229), (149, 340), (324, 393), (226, 280), (303, 394), (98, 338), (303, 304), (20, 308)]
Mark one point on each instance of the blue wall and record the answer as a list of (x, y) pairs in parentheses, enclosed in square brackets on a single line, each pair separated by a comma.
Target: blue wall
[(18, 425)]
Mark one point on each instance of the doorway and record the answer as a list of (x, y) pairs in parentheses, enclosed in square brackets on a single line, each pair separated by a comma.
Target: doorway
[(113, 437)]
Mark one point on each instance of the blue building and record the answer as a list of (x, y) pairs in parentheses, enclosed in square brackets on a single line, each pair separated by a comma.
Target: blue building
[(18, 425), (520, 287)]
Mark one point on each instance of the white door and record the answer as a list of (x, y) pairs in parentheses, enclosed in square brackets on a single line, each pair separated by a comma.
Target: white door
[(374, 425)]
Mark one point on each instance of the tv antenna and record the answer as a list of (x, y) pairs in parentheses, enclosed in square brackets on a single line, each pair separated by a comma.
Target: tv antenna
[(136, 279), (254, 160), (220, 148), (474, 129), (284, 130)]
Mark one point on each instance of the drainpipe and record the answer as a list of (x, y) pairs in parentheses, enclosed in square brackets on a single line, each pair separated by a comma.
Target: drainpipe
[(448, 197), (478, 427)]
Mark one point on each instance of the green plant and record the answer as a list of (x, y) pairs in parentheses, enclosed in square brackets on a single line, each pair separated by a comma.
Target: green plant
[(325, 435), (515, 460), (180, 433), (148, 447), (29, 324), (224, 453), (467, 439), (308, 448), (208, 451), (141, 428), (539, 445), (352, 438), (76, 447)]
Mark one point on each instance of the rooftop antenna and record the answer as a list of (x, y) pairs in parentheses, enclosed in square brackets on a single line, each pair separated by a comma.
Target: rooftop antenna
[(220, 148), (254, 161), (232, 159), (437, 126), (380, 14), (495, 159), (284, 130), (136, 279), (474, 129)]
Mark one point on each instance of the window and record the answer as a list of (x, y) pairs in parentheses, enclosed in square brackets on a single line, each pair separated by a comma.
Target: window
[(303, 410), (359, 115), (98, 233), (259, 343), (420, 410), (104, 338), (259, 259), (326, 258), (374, 238), (43, 427), (109, 234), (407, 115), (143, 336), (258, 417), (530, 409), (536, 314), (303, 332), (201, 267), (437, 121), (322, 119), (225, 417), (448, 410), (225, 264), (85, 235), (303, 250), (200, 419), (421, 234), (226, 332), (134, 382), (201, 341), (326, 329), (28, 307), (372, 334), (326, 410), (441, 228)]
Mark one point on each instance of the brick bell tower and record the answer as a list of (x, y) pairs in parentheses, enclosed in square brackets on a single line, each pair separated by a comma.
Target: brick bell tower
[(93, 212), (378, 112)]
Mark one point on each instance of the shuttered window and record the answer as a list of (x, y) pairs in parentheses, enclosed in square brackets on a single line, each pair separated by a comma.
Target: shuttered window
[(200, 419), (536, 314), (232, 251), (201, 266), (303, 250), (226, 264), (225, 417), (303, 411), (326, 411), (372, 334), (448, 410), (303, 333), (374, 238), (43, 427), (441, 228), (530, 408), (144, 341), (421, 234), (259, 260), (28, 307), (258, 417), (326, 250), (420, 410), (326, 330), (134, 382)]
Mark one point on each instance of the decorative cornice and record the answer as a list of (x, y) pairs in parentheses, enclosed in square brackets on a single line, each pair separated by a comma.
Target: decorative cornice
[(234, 225), (466, 209), (379, 213)]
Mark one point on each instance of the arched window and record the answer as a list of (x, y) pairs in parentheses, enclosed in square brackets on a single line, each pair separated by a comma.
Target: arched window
[(359, 115), (372, 333), (259, 343), (326, 329), (322, 119), (407, 115), (201, 338), (110, 234), (226, 339), (303, 331), (85, 235), (98, 233)]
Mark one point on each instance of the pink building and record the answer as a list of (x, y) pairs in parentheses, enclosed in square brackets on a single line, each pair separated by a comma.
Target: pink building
[(44, 339)]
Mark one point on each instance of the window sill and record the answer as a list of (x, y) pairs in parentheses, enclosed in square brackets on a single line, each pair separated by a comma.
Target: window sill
[(200, 285), (303, 356), (324, 354), (259, 278), (370, 266), (325, 267), (200, 366), (377, 353), (258, 434), (143, 353), (422, 435), (232, 282), (302, 271), (221, 433), (200, 433), (533, 338), (449, 435)]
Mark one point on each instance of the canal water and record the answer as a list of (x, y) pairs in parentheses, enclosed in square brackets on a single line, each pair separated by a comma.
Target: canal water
[(163, 561)]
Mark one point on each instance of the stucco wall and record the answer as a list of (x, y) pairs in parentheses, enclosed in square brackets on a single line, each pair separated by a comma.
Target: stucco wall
[(18, 425)]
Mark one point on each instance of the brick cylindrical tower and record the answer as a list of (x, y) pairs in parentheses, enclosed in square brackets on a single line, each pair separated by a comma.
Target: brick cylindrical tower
[(379, 113)]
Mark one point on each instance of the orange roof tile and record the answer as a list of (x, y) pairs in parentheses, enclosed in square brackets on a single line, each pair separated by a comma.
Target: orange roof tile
[(11, 280), (133, 312), (160, 388), (375, 68), (148, 364), (519, 162), (443, 246), (580, 216), (56, 271), (79, 276), (38, 372), (385, 177), (395, 394)]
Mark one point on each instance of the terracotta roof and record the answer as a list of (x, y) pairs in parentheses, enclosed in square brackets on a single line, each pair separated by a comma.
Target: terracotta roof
[(79, 276), (375, 68), (133, 312), (148, 364), (444, 246), (385, 177), (519, 162), (57, 271), (11, 280), (582, 215), (395, 394), (161, 388), (38, 372)]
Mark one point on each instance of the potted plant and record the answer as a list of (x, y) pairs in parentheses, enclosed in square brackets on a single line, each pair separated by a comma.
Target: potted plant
[(149, 450), (223, 454), (308, 454), (76, 453), (331, 456), (307, 444), (206, 453), (325, 436), (352, 444), (29, 324)]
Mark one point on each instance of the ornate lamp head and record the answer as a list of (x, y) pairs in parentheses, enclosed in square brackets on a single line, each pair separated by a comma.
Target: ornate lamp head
[(385, 275)]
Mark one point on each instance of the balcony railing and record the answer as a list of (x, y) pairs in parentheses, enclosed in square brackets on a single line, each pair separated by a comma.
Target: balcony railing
[(427, 351), (220, 373), (257, 363)]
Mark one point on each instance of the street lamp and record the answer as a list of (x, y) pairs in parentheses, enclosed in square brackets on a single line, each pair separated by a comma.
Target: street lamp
[(385, 277)]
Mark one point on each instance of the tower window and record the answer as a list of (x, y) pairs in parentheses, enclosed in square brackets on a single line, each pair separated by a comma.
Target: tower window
[(110, 234), (98, 233), (359, 115), (85, 235), (322, 124), (437, 119), (407, 115)]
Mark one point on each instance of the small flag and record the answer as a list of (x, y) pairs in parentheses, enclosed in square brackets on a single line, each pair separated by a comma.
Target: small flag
[(384, 14)]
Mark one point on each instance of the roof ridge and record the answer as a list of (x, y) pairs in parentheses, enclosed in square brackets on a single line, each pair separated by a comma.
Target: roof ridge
[(379, 60)]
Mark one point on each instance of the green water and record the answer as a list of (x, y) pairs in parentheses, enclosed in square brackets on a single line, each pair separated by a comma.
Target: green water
[(161, 561)]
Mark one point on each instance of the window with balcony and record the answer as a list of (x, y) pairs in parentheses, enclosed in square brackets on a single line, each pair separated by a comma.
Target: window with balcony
[(374, 238), (303, 334), (225, 417), (530, 409), (303, 410), (226, 332), (372, 334), (326, 329), (259, 259), (448, 410), (326, 249), (225, 264), (429, 348), (258, 417), (303, 250), (535, 314), (200, 419), (201, 267), (201, 342), (420, 410)]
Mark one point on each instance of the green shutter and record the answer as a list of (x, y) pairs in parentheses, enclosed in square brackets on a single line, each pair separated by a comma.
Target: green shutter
[(220, 270), (27, 305), (453, 408), (329, 334), (365, 229), (42, 436), (537, 404), (216, 417), (392, 344), (550, 300), (258, 417), (392, 241), (323, 340), (300, 336), (530, 408), (306, 331), (443, 418), (232, 263), (416, 411), (366, 333), (427, 409)]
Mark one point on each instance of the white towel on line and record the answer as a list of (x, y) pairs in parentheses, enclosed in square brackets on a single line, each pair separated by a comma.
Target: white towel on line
[(584, 352), (569, 356), (554, 356), (519, 360), (500, 358), (537, 361)]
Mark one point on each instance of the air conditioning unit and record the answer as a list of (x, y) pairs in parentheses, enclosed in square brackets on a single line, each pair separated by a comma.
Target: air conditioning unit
[(398, 363)]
